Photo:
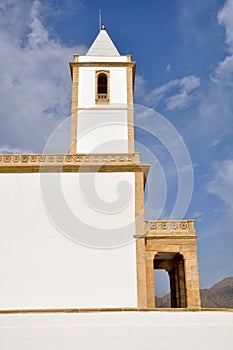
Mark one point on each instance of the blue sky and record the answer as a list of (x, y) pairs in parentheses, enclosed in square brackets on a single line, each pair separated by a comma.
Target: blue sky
[(184, 55)]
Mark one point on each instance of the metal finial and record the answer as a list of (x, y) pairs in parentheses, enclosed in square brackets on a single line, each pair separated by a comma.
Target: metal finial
[(100, 20)]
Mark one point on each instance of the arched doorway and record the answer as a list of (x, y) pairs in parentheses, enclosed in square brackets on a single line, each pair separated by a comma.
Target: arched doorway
[(173, 263)]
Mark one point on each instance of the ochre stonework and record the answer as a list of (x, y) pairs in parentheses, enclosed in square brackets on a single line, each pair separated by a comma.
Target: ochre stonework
[(130, 75), (171, 245), (74, 110), (140, 246)]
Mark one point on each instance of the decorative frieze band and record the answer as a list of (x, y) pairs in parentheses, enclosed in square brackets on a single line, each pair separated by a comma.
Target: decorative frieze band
[(166, 226), (71, 159)]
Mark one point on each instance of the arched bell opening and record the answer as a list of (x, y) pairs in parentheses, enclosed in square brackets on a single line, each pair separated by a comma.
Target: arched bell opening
[(102, 84), (102, 87)]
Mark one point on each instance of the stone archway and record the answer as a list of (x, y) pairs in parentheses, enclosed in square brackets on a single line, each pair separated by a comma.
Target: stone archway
[(173, 263), (169, 245)]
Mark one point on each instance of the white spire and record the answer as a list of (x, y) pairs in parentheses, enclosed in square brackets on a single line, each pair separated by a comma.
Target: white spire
[(103, 45)]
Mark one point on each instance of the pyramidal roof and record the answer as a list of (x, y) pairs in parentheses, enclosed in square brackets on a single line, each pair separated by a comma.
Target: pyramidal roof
[(103, 45)]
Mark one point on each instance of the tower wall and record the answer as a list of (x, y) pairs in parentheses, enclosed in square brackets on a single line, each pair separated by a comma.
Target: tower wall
[(92, 107), (102, 131), (87, 87)]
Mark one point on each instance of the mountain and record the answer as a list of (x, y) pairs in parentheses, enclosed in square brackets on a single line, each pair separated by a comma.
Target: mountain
[(219, 295)]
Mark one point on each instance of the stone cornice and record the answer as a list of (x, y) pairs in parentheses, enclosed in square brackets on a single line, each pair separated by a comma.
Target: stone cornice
[(27, 163), (169, 228), (105, 310), (102, 64), (161, 225)]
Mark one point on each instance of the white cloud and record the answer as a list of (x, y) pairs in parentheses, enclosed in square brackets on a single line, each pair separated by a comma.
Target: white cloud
[(5, 149), (38, 36), (225, 18), (6, 3), (189, 83), (139, 87), (179, 101), (160, 92), (215, 142), (175, 94), (222, 183), (197, 215), (190, 20), (216, 239), (168, 68), (224, 70), (35, 83), (219, 138), (215, 108)]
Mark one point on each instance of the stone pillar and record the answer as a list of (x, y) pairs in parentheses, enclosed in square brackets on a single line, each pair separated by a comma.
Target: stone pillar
[(192, 280), (177, 286), (182, 291), (140, 240), (141, 273), (150, 285), (172, 287)]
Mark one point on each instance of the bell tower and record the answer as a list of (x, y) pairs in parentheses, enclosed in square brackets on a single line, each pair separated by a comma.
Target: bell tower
[(102, 99), (102, 138), (102, 130)]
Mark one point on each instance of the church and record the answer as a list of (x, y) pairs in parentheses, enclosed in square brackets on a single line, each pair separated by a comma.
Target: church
[(78, 238), (73, 235)]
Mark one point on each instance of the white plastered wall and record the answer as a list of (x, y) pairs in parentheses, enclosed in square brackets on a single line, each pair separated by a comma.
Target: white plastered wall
[(102, 128), (118, 330), (87, 86), (102, 131), (41, 266), (102, 58)]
